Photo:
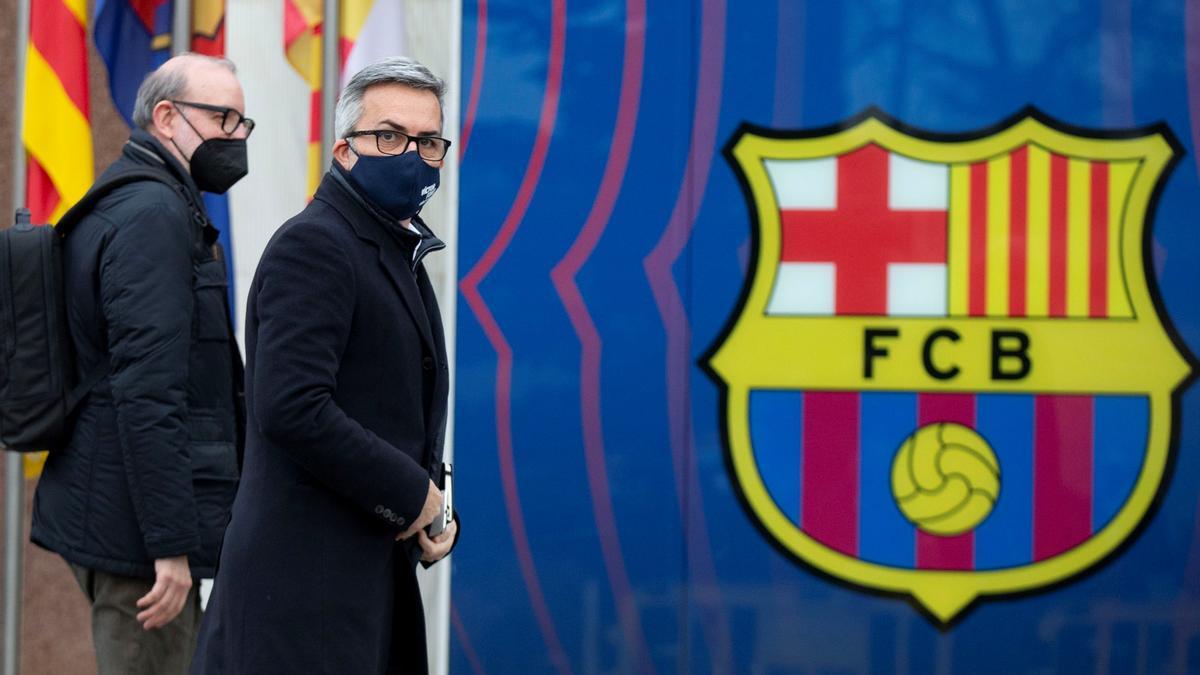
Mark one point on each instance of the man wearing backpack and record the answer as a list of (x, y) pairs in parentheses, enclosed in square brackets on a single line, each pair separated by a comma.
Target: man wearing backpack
[(138, 499)]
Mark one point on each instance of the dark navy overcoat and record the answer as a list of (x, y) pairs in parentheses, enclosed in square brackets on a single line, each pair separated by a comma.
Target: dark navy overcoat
[(346, 386)]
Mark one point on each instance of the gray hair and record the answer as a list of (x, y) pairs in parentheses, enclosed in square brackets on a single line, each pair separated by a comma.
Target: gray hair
[(168, 82), (391, 70)]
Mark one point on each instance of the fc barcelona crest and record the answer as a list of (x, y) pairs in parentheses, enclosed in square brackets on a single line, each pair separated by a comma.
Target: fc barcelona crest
[(949, 376)]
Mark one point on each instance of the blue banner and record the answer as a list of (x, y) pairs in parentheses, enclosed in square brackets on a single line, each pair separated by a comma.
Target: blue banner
[(617, 515)]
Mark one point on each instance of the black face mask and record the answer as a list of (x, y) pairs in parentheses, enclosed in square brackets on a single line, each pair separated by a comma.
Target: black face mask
[(218, 163)]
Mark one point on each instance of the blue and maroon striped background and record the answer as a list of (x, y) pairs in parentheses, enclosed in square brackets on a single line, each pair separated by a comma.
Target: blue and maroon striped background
[(603, 244), (1067, 464)]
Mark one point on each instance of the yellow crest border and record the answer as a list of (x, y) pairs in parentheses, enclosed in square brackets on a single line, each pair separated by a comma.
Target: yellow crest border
[(944, 594)]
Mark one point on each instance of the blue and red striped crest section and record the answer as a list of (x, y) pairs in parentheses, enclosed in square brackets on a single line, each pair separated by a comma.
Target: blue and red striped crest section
[(827, 461), (912, 397)]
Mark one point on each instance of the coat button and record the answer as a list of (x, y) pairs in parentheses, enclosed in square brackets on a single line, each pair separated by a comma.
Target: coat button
[(427, 363)]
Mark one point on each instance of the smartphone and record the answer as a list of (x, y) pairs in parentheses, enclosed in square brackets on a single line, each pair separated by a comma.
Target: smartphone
[(441, 522)]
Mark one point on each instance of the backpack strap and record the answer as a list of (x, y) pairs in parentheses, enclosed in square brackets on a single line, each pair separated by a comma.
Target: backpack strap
[(111, 183), (90, 380), (85, 206)]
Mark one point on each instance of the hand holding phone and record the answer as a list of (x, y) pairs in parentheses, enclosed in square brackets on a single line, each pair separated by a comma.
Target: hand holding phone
[(443, 519)]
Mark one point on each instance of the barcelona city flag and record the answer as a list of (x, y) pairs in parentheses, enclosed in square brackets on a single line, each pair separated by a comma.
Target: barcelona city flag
[(948, 376), (134, 37)]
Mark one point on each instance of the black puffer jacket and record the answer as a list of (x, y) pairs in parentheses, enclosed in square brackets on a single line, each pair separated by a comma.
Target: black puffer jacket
[(152, 466)]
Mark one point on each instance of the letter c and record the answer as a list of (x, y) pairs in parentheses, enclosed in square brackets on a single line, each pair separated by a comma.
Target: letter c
[(927, 354)]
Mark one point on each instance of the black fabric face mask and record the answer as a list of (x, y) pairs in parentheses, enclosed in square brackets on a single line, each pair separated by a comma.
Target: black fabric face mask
[(218, 163), (398, 184)]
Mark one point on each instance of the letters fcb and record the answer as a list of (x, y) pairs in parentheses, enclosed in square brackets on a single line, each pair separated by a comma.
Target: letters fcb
[(1009, 355), (949, 375)]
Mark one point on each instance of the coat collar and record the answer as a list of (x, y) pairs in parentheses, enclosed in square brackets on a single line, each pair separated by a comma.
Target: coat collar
[(416, 239), (369, 226), (144, 148)]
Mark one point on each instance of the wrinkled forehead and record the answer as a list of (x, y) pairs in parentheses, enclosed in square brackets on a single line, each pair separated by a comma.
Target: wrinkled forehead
[(415, 111)]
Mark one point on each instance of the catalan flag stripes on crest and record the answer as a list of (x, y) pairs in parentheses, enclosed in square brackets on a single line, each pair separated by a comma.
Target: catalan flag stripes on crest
[(1026, 234), (57, 132), (1037, 234)]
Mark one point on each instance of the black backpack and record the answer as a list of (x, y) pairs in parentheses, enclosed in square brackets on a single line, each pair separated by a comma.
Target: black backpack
[(38, 387)]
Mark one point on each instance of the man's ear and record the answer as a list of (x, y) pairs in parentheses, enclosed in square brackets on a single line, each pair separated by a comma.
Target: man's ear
[(343, 155), (161, 118)]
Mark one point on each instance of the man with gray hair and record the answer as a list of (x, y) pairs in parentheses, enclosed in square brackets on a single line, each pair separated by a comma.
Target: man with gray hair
[(346, 384), (137, 501)]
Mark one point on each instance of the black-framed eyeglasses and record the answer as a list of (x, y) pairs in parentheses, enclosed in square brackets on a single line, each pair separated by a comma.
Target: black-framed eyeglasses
[(231, 119), (392, 142)]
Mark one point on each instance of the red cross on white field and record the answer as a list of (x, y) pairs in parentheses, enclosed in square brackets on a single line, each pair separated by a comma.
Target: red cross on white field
[(861, 233)]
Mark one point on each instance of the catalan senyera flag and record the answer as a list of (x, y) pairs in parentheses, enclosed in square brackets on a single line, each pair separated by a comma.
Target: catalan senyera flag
[(57, 132), (370, 29)]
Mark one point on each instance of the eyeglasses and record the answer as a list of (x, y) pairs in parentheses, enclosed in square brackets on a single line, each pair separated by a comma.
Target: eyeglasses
[(391, 142), (231, 119)]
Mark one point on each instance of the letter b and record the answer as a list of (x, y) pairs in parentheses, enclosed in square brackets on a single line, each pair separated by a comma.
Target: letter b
[(1019, 353)]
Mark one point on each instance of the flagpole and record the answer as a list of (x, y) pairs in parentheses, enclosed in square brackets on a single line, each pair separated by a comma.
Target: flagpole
[(14, 463), (446, 287), (181, 27), (331, 75)]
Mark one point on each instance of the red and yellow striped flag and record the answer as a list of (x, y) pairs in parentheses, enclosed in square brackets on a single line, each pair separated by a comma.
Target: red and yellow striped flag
[(1034, 233), (302, 40), (57, 133), (208, 27)]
